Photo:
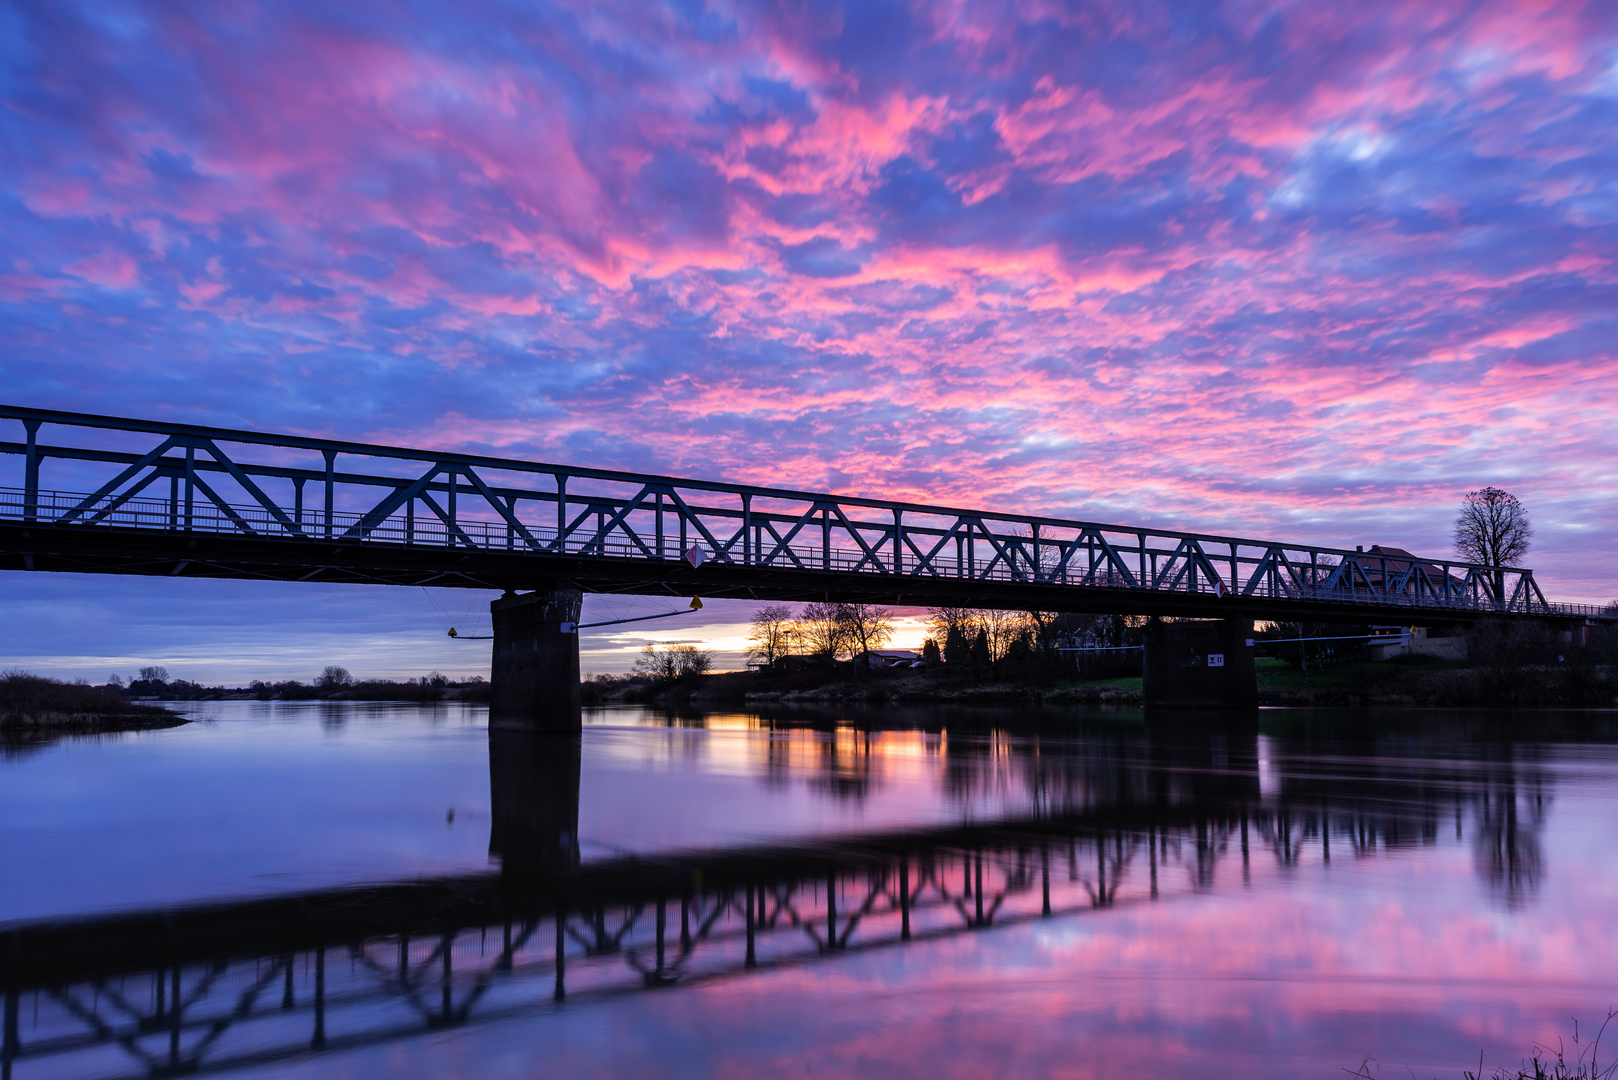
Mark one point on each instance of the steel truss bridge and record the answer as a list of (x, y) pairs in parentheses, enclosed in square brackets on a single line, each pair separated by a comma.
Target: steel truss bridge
[(113, 495), (209, 989)]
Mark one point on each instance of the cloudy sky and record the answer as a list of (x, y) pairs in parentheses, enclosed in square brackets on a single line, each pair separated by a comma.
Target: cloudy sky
[(1304, 269)]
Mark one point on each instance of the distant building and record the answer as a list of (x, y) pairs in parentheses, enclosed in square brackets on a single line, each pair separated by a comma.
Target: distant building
[(792, 662), (881, 658), (1399, 562)]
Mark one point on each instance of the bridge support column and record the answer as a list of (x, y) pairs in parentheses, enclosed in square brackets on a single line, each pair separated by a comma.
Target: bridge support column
[(534, 672), (1200, 664), (534, 798)]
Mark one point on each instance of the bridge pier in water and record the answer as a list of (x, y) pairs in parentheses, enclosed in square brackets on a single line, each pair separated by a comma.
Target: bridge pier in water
[(534, 669), (534, 799), (1200, 664)]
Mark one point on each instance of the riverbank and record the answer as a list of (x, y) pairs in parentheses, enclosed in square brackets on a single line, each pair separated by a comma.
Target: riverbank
[(929, 685), (34, 706), (1418, 681)]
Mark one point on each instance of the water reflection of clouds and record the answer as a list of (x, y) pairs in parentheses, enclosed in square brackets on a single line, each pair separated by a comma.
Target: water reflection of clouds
[(1390, 899)]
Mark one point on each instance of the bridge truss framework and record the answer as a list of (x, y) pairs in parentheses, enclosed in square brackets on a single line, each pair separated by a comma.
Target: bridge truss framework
[(147, 497), (262, 982)]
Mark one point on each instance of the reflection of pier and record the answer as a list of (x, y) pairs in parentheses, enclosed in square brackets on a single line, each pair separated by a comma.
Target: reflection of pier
[(1112, 823)]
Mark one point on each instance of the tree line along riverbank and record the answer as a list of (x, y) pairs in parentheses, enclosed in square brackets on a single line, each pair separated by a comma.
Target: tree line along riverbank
[(1079, 659), (37, 706)]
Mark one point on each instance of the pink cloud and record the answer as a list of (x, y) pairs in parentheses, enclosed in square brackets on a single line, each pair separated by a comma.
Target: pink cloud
[(112, 270)]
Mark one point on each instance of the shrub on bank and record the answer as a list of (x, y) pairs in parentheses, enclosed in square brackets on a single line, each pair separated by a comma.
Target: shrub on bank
[(28, 700)]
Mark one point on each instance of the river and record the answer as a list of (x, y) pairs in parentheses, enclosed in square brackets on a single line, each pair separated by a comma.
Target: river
[(337, 889)]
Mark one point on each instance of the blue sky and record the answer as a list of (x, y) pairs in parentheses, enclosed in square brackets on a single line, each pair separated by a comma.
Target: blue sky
[(1306, 270)]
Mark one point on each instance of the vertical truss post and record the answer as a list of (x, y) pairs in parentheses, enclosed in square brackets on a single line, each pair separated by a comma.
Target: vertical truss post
[(1235, 571), (174, 500), (410, 520), (30, 498), (1045, 879), (825, 538), (662, 926), (297, 500), (453, 476), (176, 1018), (190, 486), (1144, 579), (447, 944), (747, 529), (978, 865), (1035, 530), (684, 543), (319, 1038), (831, 910), (331, 486), (898, 541), (904, 899), (9, 1047), (658, 531), (561, 956), (751, 961), (561, 513)]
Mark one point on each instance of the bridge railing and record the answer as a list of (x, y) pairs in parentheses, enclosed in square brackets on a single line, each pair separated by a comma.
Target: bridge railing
[(290, 488)]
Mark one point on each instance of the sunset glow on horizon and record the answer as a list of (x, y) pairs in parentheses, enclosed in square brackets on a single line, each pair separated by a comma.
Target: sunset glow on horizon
[(1282, 270)]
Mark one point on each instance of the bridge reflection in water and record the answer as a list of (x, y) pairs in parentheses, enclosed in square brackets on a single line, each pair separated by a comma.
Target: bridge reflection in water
[(1107, 825)]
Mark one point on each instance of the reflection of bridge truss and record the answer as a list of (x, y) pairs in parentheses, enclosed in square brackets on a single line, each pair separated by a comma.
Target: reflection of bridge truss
[(157, 498), (250, 984)]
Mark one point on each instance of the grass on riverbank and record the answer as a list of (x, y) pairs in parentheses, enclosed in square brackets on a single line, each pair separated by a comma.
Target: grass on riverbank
[(1575, 681), (35, 703)]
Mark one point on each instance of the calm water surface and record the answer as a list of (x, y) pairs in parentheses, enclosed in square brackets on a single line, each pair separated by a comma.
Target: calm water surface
[(359, 890)]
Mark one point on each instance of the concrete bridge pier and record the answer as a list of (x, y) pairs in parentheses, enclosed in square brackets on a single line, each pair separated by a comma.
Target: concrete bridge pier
[(534, 799), (1200, 664), (534, 671)]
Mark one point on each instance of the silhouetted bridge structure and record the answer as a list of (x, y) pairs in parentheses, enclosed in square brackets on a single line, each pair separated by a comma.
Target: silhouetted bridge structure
[(130, 496), (214, 987)]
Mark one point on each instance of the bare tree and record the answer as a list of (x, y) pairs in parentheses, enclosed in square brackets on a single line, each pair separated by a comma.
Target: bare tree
[(1492, 528), (690, 661), (659, 666), (1001, 628), (865, 627), (821, 631), (334, 678), (953, 628), (772, 635)]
